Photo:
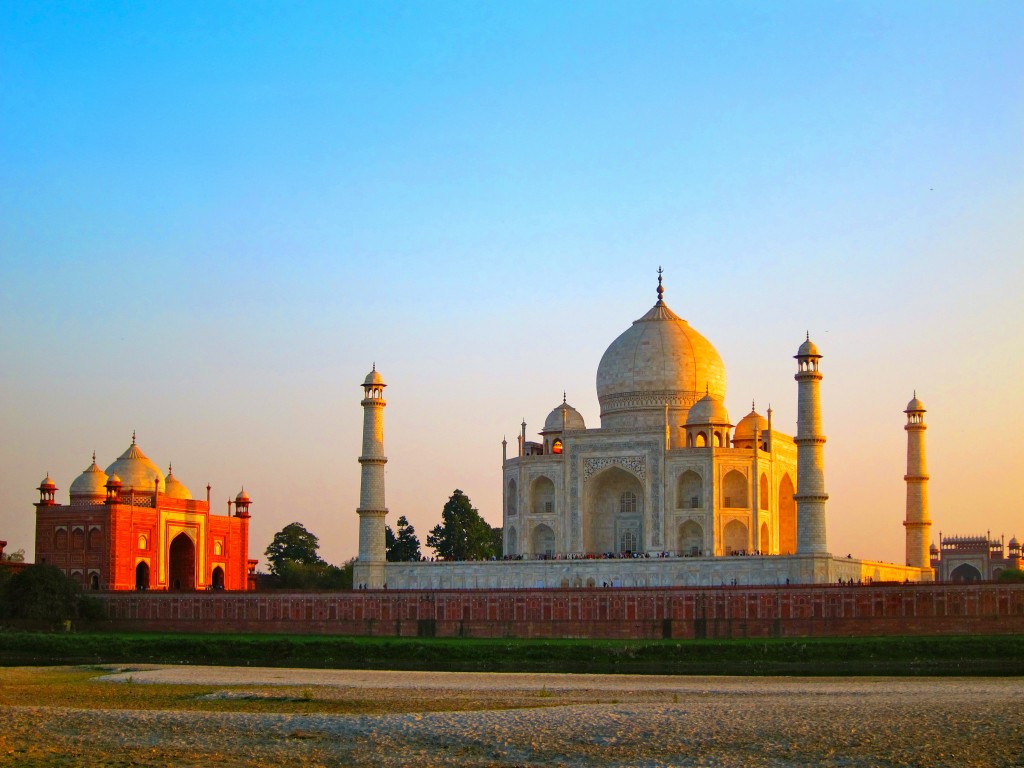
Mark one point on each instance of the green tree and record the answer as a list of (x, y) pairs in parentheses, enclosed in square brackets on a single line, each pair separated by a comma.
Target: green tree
[(403, 546), (1011, 576), (45, 593), (17, 556), (319, 575), (292, 544), (463, 534)]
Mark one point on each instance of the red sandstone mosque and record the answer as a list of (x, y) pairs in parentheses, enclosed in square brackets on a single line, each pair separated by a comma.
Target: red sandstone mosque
[(130, 527)]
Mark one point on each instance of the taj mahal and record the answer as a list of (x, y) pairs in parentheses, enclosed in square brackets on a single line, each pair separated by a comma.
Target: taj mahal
[(668, 491)]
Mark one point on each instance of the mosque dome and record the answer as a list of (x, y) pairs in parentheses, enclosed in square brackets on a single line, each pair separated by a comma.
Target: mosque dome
[(573, 419), (751, 424), (92, 482), (174, 487), (136, 470), (658, 362), (707, 410)]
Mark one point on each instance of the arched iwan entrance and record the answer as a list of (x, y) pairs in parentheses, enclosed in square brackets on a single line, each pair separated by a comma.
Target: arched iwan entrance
[(965, 572), (142, 575), (217, 578), (613, 512), (182, 560)]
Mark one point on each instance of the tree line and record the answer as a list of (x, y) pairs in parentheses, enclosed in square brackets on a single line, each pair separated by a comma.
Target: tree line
[(462, 534)]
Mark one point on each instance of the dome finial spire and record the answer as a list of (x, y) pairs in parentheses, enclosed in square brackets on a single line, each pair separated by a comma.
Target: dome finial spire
[(661, 290), (563, 397), (133, 437), (93, 455)]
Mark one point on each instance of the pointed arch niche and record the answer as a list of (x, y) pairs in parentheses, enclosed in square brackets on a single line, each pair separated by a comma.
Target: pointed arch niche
[(787, 517), (613, 507)]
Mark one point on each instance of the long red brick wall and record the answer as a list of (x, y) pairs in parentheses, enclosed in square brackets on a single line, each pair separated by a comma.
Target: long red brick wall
[(725, 612)]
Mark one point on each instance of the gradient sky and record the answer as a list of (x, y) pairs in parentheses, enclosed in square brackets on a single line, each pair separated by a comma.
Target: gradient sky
[(214, 217)]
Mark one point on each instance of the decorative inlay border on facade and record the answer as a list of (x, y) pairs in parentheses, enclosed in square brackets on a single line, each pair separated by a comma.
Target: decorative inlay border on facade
[(630, 400), (635, 464)]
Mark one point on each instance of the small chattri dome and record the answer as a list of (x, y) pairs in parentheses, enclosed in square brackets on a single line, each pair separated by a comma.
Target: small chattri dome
[(751, 424), (47, 483), (174, 487), (1014, 544), (933, 549), (707, 410), (114, 480), (242, 497), (92, 481), (374, 379), (573, 419), (808, 349)]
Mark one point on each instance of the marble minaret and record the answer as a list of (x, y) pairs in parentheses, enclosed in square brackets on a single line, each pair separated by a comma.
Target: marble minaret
[(918, 524), (810, 445), (369, 568)]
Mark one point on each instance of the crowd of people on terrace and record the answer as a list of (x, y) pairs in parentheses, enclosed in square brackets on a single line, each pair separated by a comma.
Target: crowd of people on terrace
[(595, 556)]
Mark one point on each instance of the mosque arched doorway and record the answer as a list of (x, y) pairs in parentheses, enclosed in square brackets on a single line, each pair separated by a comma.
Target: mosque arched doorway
[(182, 561), (613, 513), (965, 572), (512, 542), (787, 517), (217, 578), (142, 575)]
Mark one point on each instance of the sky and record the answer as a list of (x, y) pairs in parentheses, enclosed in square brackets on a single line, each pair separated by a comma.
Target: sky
[(215, 217)]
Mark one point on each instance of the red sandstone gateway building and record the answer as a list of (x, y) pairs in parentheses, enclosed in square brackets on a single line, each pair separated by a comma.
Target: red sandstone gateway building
[(129, 527)]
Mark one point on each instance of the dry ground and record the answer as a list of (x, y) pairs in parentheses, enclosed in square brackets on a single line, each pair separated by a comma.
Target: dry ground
[(191, 716)]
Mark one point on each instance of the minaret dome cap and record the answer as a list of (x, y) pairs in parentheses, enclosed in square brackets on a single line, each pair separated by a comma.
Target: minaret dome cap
[(374, 379), (915, 405), (808, 349)]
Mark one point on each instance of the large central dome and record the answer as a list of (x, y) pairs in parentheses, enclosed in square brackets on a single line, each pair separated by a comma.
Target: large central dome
[(658, 362)]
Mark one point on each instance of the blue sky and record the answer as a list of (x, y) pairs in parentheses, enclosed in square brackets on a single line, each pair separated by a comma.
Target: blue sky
[(215, 216)]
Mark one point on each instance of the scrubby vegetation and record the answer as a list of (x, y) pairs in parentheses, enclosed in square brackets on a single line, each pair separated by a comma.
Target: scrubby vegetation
[(44, 594), (974, 655)]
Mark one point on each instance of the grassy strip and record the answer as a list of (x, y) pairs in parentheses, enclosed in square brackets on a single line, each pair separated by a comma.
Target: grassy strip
[(941, 655), (78, 687)]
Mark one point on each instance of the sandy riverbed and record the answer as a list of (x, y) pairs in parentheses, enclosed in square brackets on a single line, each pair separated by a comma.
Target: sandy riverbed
[(550, 720)]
